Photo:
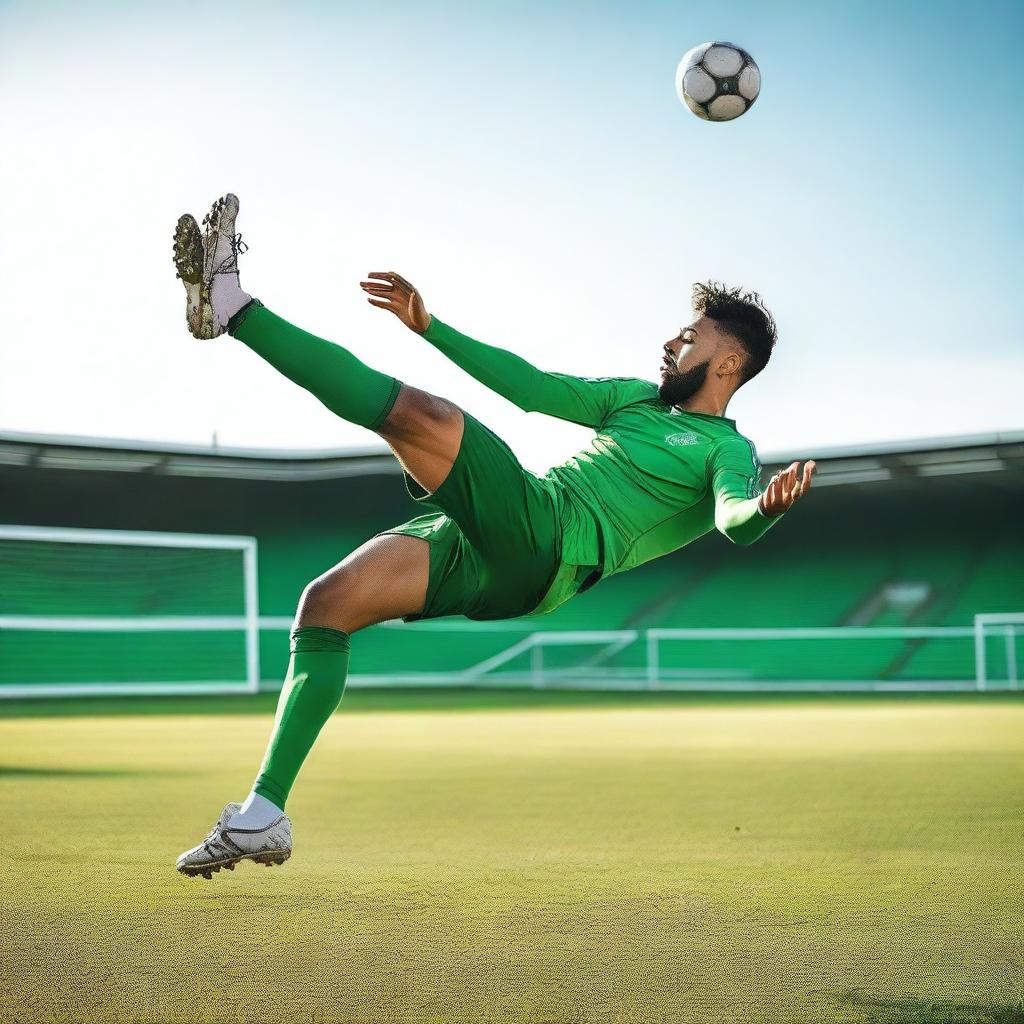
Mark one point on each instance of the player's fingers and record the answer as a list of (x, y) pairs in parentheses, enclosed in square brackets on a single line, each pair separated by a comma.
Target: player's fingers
[(396, 282), (798, 483), (781, 486), (809, 469), (801, 485), (395, 279), (793, 478), (382, 303), (376, 289)]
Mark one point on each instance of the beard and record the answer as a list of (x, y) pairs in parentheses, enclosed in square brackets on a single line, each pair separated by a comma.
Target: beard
[(676, 388)]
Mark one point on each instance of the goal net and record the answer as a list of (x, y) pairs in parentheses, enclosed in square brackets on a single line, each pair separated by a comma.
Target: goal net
[(111, 611)]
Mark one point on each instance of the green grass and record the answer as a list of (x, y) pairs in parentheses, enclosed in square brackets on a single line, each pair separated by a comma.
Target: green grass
[(465, 698), (548, 861)]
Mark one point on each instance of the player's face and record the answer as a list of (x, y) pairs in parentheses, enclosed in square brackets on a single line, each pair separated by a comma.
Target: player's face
[(693, 345), (685, 361)]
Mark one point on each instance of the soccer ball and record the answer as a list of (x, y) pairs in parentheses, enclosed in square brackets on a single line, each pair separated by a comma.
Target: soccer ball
[(718, 81)]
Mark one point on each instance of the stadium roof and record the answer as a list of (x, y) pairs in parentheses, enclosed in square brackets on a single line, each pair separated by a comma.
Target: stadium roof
[(1001, 453)]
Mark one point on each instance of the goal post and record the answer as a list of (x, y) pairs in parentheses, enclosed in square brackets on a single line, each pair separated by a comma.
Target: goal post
[(105, 612), (996, 637)]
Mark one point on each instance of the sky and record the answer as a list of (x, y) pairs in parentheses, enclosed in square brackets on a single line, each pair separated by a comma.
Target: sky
[(530, 169)]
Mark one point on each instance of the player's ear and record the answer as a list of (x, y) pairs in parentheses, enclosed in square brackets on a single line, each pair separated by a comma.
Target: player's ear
[(730, 364)]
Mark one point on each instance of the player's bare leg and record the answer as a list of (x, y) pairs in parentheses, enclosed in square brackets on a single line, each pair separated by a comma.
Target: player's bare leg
[(425, 433), (386, 577)]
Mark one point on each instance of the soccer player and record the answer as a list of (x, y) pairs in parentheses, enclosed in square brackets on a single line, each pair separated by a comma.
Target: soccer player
[(496, 541)]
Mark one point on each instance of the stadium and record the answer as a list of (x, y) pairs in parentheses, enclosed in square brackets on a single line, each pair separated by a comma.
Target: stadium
[(520, 801), (910, 601)]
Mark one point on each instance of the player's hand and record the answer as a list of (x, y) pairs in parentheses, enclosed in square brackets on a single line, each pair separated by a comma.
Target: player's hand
[(395, 293), (785, 487)]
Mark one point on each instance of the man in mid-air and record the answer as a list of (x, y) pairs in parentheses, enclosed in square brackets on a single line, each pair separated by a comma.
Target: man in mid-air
[(665, 467)]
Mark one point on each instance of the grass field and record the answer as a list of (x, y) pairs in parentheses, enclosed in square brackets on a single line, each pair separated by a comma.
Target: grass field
[(528, 858)]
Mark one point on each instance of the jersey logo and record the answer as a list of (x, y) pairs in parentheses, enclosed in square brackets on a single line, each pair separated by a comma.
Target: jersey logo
[(679, 439)]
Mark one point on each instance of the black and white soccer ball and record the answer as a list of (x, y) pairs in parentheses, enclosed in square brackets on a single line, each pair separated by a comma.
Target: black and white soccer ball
[(718, 81)]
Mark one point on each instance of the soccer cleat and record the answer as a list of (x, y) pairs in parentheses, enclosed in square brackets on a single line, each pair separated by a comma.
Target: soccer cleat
[(221, 247), (207, 263), (189, 261), (225, 846)]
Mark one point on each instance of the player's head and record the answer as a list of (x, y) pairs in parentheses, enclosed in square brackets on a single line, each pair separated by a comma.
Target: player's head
[(730, 341)]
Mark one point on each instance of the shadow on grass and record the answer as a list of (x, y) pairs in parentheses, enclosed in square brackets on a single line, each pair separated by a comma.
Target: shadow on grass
[(882, 1010), (14, 771)]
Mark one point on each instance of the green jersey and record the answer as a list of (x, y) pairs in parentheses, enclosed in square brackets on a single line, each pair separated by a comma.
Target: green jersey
[(653, 479)]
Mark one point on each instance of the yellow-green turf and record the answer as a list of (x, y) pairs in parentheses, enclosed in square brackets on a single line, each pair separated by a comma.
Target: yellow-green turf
[(675, 861)]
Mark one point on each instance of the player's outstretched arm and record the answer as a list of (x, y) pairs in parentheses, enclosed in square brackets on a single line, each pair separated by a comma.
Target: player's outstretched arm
[(577, 399), (741, 513)]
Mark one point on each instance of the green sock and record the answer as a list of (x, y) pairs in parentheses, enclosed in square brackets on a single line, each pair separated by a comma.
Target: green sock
[(348, 387), (312, 691)]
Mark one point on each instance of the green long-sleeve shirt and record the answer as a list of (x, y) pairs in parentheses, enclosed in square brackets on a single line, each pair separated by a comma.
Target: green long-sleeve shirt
[(653, 479)]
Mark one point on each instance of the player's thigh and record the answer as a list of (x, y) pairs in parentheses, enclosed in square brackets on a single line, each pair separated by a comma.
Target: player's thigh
[(425, 432), (385, 578)]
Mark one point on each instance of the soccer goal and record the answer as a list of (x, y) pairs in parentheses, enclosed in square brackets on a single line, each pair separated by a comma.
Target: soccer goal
[(823, 659), (997, 638), (126, 612), (820, 658)]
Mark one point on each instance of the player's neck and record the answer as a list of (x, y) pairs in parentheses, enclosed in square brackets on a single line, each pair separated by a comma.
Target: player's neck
[(705, 404)]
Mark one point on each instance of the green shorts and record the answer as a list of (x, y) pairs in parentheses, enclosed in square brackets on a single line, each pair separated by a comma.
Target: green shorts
[(495, 545)]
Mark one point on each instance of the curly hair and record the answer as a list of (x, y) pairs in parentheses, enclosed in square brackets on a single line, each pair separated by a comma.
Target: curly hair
[(743, 315)]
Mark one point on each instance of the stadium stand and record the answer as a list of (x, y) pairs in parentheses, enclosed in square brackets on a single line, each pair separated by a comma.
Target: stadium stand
[(912, 534)]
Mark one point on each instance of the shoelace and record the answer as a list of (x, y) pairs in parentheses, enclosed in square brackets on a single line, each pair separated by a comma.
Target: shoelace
[(214, 842), (229, 265)]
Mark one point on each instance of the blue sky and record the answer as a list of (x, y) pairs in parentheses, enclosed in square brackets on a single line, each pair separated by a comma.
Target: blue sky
[(530, 168)]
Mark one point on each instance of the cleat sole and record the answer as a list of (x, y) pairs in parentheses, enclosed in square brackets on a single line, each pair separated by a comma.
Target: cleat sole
[(188, 262), (188, 250), (208, 870)]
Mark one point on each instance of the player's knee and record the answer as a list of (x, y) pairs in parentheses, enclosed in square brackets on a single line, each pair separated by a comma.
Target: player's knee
[(416, 411), (441, 411), (323, 601)]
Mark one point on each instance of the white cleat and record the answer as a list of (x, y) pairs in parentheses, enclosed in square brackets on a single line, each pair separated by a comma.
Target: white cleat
[(225, 846), (207, 263)]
